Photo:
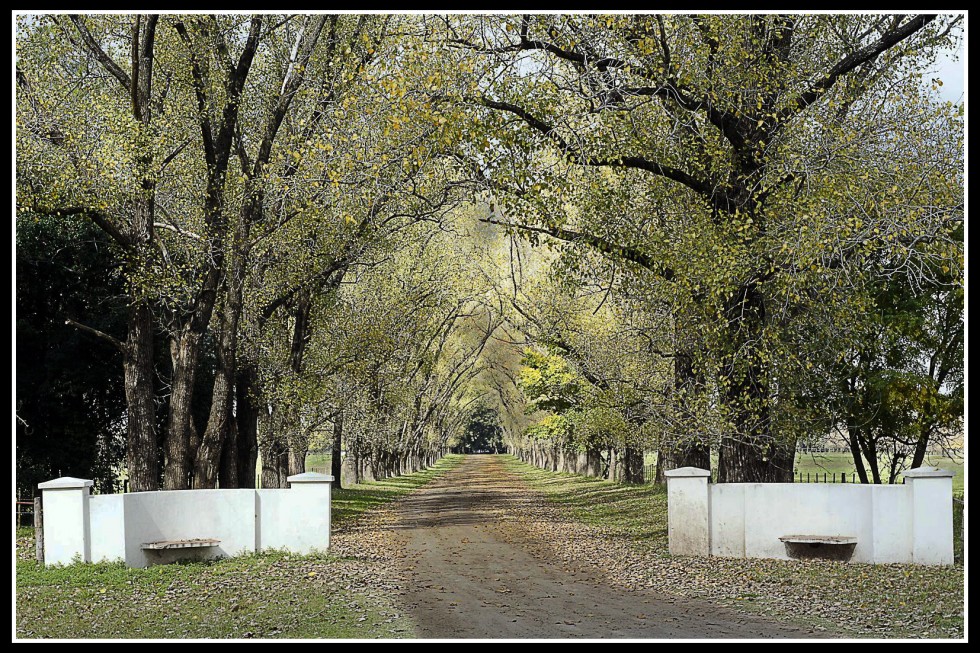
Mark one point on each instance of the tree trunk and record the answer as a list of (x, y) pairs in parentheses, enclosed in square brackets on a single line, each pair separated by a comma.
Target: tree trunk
[(354, 457), (137, 238), (141, 439), (755, 461), (593, 462), (689, 453), (633, 465), (220, 419), (692, 455), (138, 367), (247, 418), (177, 453), (282, 465), (752, 454), (228, 469), (854, 439), (871, 455), (922, 444), (208, 456), (336, 452), (274, 453), (296, 459)]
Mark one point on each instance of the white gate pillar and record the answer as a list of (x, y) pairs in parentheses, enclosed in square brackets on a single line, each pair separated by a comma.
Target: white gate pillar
[(688, 511), (66, 520)]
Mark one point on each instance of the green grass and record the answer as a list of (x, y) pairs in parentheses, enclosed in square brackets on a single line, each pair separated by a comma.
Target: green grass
[(853, 599), (635, 512), (318, 461), (349, 503), (268, 595)]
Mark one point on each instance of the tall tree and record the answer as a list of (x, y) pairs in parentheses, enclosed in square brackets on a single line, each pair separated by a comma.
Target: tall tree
[(718, 114), (127, 217)]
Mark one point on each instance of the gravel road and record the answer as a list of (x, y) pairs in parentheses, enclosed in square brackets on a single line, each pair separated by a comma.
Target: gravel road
[(474, 572)]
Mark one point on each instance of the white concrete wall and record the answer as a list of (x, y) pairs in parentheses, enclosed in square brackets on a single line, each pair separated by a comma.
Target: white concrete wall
[(772, 510), (296, 520), (890, 515), (114, 527), (892, 523), (688, 516), (226, 515), (727, 527), (106, 519), (932, 527)]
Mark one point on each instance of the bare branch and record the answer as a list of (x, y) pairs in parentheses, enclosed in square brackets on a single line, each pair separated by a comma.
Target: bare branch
[(636, 162), (621, 251), (93, 46), (869, 52), (115, 342)]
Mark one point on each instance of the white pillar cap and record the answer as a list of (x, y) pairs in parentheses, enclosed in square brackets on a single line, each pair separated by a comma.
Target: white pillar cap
[(65, 482), (928, 472), (687, 472), (310, 477)]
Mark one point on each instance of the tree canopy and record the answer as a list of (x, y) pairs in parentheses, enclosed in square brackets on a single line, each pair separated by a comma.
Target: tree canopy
[(619, 234)]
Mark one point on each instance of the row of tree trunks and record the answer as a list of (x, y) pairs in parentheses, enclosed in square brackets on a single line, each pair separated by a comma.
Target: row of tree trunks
[(215, 443), (377, 465), (624, 466)]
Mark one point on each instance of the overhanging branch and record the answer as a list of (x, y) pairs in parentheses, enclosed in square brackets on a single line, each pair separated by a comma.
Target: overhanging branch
[(625, 252), (869, 52), (101, 335)]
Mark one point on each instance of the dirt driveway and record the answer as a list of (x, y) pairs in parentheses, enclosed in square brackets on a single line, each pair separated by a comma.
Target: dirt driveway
[(475, 573)]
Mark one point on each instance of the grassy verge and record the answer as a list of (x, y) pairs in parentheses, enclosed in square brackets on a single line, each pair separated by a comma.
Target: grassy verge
[(637, 513), (350, 503), (857, 600), (318, 461), (267, 595)]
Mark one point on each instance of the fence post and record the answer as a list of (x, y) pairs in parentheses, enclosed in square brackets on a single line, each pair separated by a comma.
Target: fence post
[(38, 531)]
